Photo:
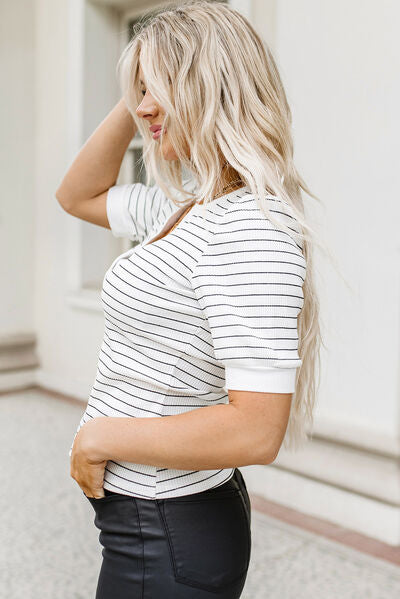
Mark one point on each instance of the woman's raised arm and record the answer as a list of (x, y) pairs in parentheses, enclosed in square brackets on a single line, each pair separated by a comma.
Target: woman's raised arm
[(95, 169)]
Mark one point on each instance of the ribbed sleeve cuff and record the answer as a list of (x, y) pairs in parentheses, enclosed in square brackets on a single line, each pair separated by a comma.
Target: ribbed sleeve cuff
[(115, 207), (265, 380)]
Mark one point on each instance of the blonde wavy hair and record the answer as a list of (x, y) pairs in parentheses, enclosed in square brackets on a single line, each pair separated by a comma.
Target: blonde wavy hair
[(222, 94)]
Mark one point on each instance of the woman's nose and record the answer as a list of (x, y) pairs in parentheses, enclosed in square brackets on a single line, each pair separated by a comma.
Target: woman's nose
[(147, 108)]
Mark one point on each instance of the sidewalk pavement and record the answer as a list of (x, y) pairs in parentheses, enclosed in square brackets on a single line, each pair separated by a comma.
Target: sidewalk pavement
[(49, 545)]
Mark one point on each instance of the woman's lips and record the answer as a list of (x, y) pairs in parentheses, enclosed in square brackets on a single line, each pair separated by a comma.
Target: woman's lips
[(157, 134)]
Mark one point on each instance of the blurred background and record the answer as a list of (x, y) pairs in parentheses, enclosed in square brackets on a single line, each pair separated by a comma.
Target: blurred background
[(340, 65)]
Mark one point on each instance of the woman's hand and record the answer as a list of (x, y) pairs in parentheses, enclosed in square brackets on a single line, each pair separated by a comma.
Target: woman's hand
[(87, 468)]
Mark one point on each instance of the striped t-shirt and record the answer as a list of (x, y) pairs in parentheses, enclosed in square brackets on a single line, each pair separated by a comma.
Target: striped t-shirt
[(211, 306)]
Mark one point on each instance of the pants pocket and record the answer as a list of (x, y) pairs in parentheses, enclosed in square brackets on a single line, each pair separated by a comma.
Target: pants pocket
[(107, 497), (209, 539)]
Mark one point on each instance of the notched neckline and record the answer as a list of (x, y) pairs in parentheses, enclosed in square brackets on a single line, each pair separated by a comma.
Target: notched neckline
[(175, 215), (170, 223)]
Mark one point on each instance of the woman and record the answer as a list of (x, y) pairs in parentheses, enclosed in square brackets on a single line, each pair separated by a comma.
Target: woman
[(209, 320)]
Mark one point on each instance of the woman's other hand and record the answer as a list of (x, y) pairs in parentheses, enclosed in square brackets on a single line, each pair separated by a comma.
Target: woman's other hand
[(87, 468)]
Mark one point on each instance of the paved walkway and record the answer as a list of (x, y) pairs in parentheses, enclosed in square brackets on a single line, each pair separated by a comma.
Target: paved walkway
[(49, 545)]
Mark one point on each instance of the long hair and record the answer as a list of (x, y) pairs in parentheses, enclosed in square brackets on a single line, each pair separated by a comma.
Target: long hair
[(222, 94)]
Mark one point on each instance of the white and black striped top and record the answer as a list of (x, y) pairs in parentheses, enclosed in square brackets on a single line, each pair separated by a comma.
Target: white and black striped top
[(210, 307)]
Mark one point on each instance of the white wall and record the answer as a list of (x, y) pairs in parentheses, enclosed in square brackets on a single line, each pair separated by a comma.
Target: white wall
[(69, 338), (78, 44), (340, 62), (17, 209)]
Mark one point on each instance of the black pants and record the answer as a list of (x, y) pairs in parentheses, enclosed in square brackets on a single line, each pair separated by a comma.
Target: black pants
[(190, 547)]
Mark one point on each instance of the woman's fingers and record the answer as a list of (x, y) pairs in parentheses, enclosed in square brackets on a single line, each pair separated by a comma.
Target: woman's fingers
[(94, 494), (90, 477), (88, 474)]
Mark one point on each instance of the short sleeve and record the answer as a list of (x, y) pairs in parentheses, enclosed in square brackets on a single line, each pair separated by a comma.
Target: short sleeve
[(249, 284), (132, 209)]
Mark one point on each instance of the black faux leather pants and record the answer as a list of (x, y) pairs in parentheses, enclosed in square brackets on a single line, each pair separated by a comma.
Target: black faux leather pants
[(190, 547)]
